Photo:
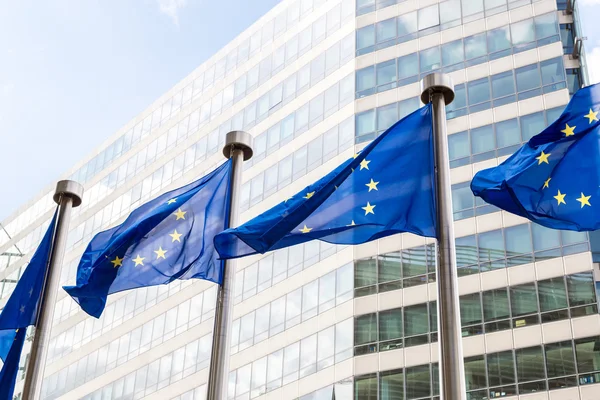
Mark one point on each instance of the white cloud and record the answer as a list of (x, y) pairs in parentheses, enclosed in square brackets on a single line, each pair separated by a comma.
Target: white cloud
[(171, 8), (589, 2), (593, 61)]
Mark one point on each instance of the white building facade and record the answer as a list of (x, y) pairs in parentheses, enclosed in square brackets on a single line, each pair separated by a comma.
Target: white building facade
[(313, 81)]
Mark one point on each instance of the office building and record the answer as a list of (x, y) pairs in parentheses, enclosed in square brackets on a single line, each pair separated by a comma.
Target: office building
[(313, 81)]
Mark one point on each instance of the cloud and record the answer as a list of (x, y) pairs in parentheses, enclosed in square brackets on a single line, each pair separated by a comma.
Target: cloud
[(589, 2), (171, 8), (593, 64)]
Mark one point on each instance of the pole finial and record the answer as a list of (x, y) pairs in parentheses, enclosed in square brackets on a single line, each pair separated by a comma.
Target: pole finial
[(437, 83), (238, 140), (69, 188)]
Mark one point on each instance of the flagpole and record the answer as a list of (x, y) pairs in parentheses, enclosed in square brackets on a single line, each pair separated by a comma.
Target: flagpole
[(68, 195), (438, 89), (238, 148)]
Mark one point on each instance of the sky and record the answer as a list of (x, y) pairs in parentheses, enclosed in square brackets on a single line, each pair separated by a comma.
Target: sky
[(72, 72)]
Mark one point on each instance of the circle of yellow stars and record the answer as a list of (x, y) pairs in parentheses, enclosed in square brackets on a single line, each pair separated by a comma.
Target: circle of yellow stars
[(543, 158), (160, 252), (368, 208)]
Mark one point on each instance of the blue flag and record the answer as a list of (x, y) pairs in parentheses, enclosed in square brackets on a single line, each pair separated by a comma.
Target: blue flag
[(21, 311), (168, 238), (554, 178), (386, 189)]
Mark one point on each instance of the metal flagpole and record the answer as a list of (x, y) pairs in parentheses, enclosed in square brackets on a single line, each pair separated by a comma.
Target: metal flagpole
[(238, 147), (68, 195), (438, 89)]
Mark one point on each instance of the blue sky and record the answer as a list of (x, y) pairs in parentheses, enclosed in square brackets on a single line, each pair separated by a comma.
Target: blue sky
[(72, 72)]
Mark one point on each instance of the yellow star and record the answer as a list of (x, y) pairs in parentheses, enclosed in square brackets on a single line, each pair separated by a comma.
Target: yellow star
[(560, 198), (592, 116), (309, 195), (355, 155), (305, 229), (369, 208), (364, 164), (176, 236), (180, 214), (546, 183), (138, 260), (352, 223), (117, 262), (569, 130), (372, 185), (543, 158), (160, 253), (584, 200), (172, 201)]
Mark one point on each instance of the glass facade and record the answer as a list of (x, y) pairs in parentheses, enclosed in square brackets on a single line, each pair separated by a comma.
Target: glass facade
[(313, 81)]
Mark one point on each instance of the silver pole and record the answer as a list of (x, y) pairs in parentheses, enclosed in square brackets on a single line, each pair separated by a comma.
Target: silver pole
[(238, 147), (439, 90), (67, 195)]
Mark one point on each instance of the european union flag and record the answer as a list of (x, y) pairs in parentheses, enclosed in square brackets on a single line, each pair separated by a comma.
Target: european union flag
[(387, 188), (21, 311), (553, 179), (168, 238)]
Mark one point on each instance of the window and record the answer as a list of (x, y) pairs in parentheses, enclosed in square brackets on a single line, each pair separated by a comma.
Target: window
[(390, 329), (475, 46), (291, 358), (498, 41), (416, 324), (471, 314), (453, 53), (391, 385), (325, 348), (365, 387), (386, 75), (475, 375), (365, 332), (408, 66), (530, 367), (501, 372), (386, 32), (508, 133), (428, 17), (560, 359), (365, 80), (418, 382), (365, 39), (407, 26), (522, 32), (531, 125), (308, 356), (430, 59), (387, 116), (523, 300)]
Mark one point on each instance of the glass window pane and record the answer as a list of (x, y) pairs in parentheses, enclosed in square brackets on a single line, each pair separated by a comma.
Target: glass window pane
[(365, 122), (408, 66), (581, 289), (416, 320), (387, 116), (531, 125), (499, 39), (523, 300), (418, 382), (546, 25), (508, 133), (458, 145), (475, 376), (452, 53), (501, 368), (470, 309), (365, 329), (528, 77), (428, 17), (390, 324), (553, 294), (475, 46), (478, 91), (522, 32), (391, 385), (544, 238), (530, 364), (386, 73), (495, 305), (365, 387), (386, 30), (407, 24), (503, 84), (588, 356), (482, 139), (552, 71), (560, 360), (365, 37), (430, 59)]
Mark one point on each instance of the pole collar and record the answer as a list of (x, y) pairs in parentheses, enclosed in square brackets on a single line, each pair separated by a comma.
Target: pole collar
[(437, 83), (238, 140), (70, 189)]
